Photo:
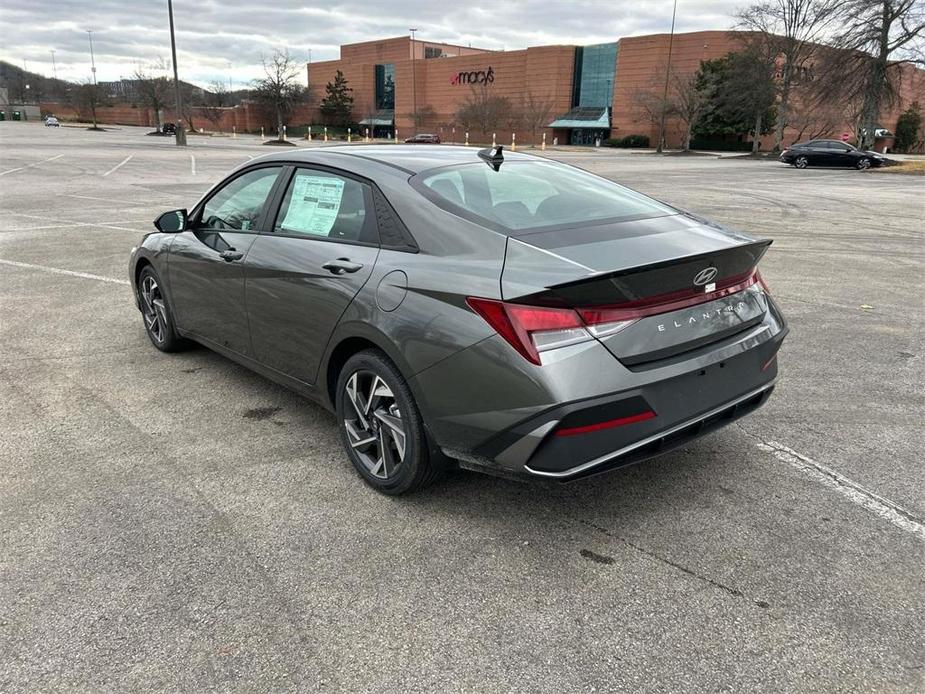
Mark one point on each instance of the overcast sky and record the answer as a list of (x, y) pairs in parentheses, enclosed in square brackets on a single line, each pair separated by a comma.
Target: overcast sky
[(225, 39)]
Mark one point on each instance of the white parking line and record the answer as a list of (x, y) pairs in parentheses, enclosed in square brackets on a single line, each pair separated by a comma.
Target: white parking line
[(119, 165), (59, 271), (192, 164), (70, 222), (29, 166), (876, 504)]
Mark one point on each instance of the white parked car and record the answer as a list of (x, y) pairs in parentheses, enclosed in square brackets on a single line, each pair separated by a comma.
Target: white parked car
[(52, 122)]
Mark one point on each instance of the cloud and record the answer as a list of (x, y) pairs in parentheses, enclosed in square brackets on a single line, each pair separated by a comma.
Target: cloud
[(222, 40)]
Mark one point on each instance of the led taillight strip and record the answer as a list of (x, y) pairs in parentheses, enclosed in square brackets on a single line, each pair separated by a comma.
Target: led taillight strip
[(664, 303)]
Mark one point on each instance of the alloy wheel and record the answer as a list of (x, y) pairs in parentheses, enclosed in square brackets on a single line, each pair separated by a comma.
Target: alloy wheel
[(801, 162), (374, 425), (154, 310), (864, 164)]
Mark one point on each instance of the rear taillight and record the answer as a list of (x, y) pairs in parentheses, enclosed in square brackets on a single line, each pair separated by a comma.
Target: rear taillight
[(531, 329), (534, 329)]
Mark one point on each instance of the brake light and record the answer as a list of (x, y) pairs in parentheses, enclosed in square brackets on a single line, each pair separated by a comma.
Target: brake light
[(531, 329)]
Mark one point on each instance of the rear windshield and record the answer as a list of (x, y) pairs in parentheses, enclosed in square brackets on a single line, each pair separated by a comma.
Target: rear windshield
[(526, 195)]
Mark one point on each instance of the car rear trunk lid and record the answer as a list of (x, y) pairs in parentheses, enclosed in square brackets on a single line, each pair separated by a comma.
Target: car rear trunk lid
[(647, 289)]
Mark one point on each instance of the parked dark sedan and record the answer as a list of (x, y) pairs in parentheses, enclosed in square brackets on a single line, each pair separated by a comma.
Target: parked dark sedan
[(495, 310), (829, 153), (423, 139)]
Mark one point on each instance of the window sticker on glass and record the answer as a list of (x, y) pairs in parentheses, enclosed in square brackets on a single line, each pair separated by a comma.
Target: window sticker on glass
[(314, 204)]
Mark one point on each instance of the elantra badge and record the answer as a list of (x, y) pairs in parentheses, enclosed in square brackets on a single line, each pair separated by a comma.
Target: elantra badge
[(705, 278)]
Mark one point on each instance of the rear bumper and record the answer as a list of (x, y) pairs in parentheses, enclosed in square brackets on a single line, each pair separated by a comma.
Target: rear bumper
[(617, 416), (664, 440)]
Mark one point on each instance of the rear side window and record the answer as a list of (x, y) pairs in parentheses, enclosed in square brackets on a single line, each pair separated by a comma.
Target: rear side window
[(319, 204), (525, 195)]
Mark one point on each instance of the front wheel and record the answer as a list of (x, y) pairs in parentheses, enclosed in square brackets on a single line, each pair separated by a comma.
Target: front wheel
[(801, 162), (156, 313), (863, 164), (381, 427)]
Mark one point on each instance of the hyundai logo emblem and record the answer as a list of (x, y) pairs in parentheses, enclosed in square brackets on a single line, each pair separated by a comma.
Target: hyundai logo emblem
[(708, 274)]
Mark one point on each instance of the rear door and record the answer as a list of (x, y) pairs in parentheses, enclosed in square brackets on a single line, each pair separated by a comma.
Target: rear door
[(304, 271), (206, 266)]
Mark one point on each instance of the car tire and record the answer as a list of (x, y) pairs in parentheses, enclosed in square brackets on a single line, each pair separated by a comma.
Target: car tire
[(156, 314), (381, 426), (801, 162), (863, 163)]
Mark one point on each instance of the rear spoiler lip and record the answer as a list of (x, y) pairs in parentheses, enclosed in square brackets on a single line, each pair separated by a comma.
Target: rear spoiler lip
[(763, 244)]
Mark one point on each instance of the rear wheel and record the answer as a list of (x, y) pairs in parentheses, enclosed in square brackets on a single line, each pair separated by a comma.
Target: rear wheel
[(381, 427), (801, 162), (156, 313), (863, 164)]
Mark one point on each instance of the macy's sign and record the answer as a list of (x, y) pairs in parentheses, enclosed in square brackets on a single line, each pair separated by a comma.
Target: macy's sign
[(474, 77)]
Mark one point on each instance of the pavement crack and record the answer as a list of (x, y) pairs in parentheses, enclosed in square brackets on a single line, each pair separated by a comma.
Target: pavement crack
[(734, 592)]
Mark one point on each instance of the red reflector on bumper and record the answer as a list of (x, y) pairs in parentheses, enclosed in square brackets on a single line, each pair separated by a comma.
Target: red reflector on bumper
[(609, 424)]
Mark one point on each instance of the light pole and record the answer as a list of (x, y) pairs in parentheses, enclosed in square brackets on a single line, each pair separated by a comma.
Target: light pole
[(54, 66), (92, 60), (414, 96), (95, 96), (661, 126), (180, 134)]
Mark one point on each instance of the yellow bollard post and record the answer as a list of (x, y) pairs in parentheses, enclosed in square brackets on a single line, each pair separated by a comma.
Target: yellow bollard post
[(348, 136), (367, 134), (309, 133), (493, 143), (543, 146), (467, 138), (234, 132), (284, 132), (261, 132), (396, 136), (513, 142), (325, 133)]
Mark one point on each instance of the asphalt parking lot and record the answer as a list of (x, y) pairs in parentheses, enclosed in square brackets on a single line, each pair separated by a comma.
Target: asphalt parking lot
[(175, 522)]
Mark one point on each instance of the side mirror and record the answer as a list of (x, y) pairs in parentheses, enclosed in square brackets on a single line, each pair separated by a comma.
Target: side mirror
[(172, 222)]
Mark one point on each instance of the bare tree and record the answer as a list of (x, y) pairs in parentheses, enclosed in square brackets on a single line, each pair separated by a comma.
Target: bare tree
[(877, 37), (686, 103), (278, 89), (89, 98), (792, 30), (535, 113), (422, 116), (482, 110), (154, 92), (216, 102)]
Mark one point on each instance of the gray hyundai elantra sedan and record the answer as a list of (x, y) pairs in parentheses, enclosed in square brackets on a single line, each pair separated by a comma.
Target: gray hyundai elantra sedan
[(461, 307)]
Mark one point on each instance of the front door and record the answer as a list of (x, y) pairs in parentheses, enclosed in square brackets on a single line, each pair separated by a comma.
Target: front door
[(303, 274), (206, 265)]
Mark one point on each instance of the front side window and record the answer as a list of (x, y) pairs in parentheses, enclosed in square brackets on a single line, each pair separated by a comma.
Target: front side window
[(239, 204), (319, 204), (524, 195)]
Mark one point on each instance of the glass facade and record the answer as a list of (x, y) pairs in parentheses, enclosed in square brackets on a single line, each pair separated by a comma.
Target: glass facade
[(592, 86), (385, 86), (594, 74)]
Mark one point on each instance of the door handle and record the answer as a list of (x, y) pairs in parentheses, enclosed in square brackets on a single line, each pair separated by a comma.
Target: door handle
[(341, 265), (230, 255)]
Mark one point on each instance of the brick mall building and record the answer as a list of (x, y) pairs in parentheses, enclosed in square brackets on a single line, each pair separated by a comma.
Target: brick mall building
[(589, 92)]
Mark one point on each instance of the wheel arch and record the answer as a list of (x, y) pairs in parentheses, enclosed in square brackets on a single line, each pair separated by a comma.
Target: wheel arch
[(344, 344)]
